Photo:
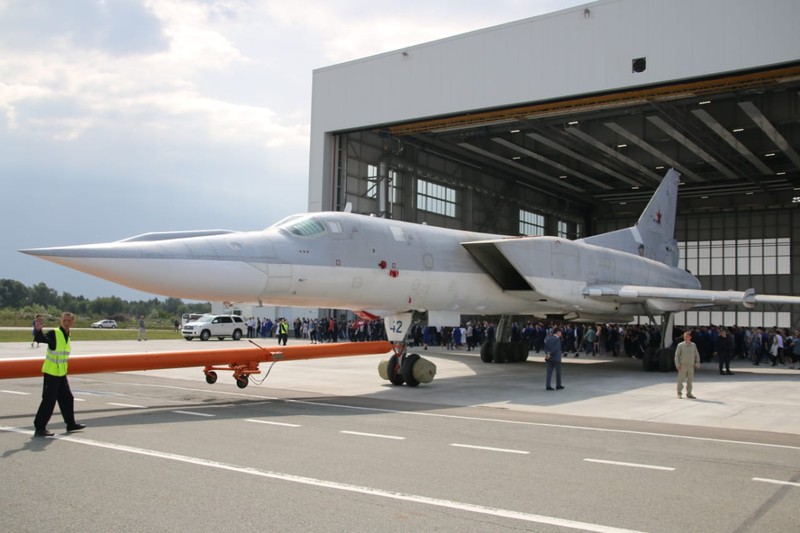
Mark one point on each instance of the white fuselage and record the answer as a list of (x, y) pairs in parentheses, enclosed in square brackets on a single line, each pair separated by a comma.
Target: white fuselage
[(346, 261)]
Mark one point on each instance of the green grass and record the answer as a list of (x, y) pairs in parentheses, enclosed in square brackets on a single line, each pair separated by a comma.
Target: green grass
[(13, 335)]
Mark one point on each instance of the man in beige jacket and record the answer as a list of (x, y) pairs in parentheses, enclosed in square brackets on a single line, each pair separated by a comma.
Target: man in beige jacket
[(687, 358)]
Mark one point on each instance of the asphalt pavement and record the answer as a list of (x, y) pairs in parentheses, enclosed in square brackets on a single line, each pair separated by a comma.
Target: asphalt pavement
[(758, 398)]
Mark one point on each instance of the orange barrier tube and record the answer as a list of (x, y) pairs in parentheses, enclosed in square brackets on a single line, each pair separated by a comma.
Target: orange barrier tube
[(93, 364)]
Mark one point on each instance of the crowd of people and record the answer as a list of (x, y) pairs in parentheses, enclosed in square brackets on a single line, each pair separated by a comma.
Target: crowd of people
[(317, 330), (774, 346)]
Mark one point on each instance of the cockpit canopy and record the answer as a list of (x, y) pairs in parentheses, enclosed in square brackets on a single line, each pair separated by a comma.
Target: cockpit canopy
[(307, 226)]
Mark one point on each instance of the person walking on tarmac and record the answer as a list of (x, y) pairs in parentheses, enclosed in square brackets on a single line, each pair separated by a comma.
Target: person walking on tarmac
[(283, 332), (54, 370)]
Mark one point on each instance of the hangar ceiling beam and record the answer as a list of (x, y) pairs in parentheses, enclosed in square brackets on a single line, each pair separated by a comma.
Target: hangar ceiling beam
[(585, 137), (564, 150), (547, 161), (728, 137), (681, 138), (766, 126), (647, 147), (523, 168)]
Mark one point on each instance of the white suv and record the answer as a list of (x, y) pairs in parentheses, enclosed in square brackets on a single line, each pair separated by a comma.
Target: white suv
[(219, 326)]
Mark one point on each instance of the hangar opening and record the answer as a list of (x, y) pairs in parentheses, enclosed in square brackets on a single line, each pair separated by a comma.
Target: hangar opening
[(586, 163)]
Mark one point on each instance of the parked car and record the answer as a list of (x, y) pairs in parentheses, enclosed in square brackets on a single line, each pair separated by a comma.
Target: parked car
[(105, 324), (219, 326)]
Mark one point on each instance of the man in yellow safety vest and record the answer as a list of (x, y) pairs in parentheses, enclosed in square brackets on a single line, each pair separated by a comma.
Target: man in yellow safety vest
[(54, 371)]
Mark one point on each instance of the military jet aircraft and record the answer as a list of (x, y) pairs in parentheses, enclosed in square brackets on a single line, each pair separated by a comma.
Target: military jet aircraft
[(386, 268)]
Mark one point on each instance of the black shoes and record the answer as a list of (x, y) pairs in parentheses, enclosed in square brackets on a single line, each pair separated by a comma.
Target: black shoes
[(76, 427), (559, 387), (729, 373), (550, 388), (43, 433)]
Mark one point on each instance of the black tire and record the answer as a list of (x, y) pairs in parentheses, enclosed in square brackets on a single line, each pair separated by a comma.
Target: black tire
[(205, 335), (663, 359), (650, 359), (188, 338), (501, 350), (408, 369), (237, 334), (242, 381), (487, 352), (220, 338), (211, 377), (517, 352), (394, 372)]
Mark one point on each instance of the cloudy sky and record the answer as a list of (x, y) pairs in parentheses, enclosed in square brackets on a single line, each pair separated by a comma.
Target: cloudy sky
[(121, 117)]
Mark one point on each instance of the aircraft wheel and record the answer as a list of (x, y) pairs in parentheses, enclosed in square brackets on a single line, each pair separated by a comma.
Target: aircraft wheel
[(211, 377), (500, 352), (408, 370), (486, 352), (395, 377), (205, 335), (242, 381), (649, 360), (522, 351)]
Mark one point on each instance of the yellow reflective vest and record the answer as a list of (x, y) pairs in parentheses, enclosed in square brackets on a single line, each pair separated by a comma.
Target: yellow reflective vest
[(55, 361)]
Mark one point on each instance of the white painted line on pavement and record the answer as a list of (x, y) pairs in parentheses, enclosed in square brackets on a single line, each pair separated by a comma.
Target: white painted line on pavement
[(777, 482), (635, 465), (127, 405), (486, 448), (271, 423), (376, 435), (473, 418), (334, 485), (15, 392), (193, 413)]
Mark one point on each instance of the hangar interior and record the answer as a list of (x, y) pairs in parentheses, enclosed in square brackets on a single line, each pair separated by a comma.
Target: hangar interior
[(578, 166)]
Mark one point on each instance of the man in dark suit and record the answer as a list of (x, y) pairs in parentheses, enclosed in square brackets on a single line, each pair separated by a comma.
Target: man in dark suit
[(552, 355)]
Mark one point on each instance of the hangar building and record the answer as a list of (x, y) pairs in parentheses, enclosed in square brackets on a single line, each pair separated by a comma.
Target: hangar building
[(564, 124)]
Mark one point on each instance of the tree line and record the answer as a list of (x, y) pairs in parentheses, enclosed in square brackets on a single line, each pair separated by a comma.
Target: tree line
[(23, 301)]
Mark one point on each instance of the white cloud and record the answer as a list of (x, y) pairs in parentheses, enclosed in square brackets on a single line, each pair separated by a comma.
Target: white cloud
[(137, 113)]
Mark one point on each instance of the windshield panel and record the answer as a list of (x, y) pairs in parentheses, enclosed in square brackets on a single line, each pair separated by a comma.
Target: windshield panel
[(306, 226)]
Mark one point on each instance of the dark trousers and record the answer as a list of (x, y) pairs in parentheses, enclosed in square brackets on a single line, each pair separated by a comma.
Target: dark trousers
[(553, 363), (55, 389), (282, 338)]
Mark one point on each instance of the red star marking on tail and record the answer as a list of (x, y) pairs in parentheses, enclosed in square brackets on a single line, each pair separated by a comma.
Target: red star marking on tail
[(658, 220)]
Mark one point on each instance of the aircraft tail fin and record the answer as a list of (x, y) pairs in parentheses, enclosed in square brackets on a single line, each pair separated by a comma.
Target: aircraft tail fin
[(653, 236)]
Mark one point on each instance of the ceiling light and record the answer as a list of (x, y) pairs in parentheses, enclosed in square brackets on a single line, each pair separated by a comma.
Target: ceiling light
[(514, 131), (749, 193), (622, 145), (659, 167), (737, 130), (572, 123), (704, 197), (780, 173), (623, 203), (704, 102), (562, 177), (769, 154), (635, 187), (516, 157)]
